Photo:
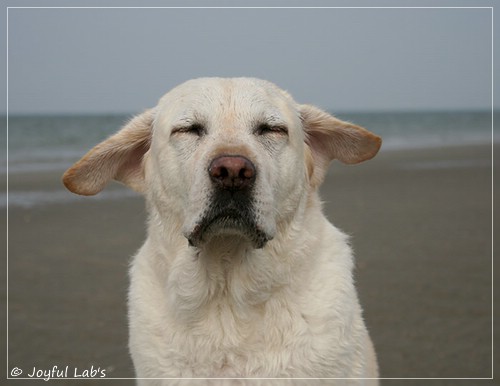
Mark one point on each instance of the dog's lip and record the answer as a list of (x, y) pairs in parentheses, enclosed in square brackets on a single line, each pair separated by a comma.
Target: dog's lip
[(235, 221), (230, 214)]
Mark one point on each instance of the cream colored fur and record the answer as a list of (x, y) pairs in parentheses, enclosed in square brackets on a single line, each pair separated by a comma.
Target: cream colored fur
[(227, 307)]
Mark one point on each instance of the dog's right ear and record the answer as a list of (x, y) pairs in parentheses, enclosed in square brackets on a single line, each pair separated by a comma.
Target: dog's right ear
[(120, 157)]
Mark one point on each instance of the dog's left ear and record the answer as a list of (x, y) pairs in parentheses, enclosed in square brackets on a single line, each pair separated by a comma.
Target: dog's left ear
[(120, 157), (329, 138)]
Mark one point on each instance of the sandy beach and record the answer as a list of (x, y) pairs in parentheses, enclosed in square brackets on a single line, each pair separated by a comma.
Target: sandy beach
[(421, 227)]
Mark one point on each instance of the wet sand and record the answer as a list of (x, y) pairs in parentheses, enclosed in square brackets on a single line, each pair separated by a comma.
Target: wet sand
[(422, 233)]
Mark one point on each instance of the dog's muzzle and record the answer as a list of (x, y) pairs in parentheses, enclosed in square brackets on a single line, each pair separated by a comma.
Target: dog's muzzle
[(231, 211)]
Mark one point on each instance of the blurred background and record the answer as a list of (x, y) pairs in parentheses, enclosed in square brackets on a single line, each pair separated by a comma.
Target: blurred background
[(420, 214)]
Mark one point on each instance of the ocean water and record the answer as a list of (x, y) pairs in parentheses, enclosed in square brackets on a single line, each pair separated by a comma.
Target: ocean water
[(53, 143)]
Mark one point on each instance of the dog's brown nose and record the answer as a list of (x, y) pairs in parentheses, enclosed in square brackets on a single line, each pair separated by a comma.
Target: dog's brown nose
[(232, 172)]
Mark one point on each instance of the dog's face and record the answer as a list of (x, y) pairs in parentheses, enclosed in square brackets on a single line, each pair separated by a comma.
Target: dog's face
[(224, 157), (230, 153)]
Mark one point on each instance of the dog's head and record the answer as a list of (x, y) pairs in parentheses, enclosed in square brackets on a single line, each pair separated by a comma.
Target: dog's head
[(224, 157)]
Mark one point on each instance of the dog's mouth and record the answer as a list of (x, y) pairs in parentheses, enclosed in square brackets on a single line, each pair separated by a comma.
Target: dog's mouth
[(229, 215)]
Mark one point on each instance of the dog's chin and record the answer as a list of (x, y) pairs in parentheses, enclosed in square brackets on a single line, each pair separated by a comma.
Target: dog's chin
[(230, 225)]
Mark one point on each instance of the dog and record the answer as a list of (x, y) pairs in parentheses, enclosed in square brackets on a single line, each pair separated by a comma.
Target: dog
[(241, 274)]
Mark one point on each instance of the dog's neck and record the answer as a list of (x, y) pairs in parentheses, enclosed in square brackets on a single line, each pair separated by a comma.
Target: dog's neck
[(229, 271)]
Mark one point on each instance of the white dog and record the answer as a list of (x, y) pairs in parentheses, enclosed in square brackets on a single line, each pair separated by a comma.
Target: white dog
[(241, 275)]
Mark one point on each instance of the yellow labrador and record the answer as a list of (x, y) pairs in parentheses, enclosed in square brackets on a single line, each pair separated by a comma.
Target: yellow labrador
[(241, 275)]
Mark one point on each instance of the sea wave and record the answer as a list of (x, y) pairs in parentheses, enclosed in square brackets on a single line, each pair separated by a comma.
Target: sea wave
[(30, 199)]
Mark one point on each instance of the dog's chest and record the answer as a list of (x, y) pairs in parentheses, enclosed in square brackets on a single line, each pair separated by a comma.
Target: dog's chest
[(262, 340)]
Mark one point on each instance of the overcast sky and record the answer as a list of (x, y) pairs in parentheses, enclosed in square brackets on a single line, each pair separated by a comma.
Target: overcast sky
[(123, 60)]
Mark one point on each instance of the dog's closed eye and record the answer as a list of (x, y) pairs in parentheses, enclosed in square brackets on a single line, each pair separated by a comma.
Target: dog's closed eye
[(194, 129), (266, 128)]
